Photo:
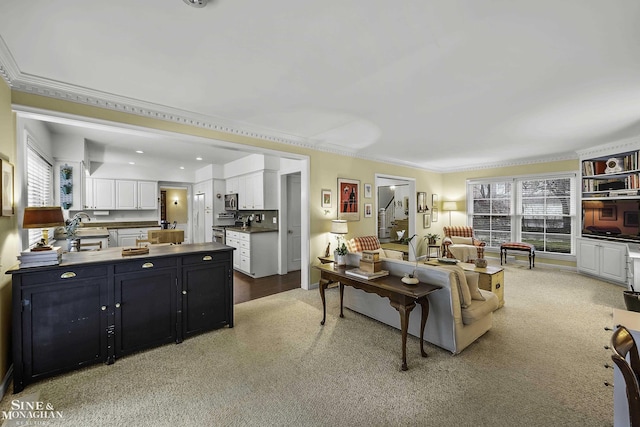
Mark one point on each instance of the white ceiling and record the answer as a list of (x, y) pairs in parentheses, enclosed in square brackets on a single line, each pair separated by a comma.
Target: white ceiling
[(437, 84)]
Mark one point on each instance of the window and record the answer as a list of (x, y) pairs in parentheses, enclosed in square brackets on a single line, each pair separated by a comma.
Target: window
[(536, 210), (39, 184)]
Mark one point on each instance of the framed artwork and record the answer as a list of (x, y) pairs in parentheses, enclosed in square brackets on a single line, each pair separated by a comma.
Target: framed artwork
[(631, 219), (422, 202), (348, 199), (367, 191), (434, 215), (426, 221), (6, 199), (368, 210), (326, 198), (434, 201), (608, 213)]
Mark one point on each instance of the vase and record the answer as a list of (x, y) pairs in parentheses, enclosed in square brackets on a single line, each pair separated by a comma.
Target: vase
[(340, 259), (73, 245)]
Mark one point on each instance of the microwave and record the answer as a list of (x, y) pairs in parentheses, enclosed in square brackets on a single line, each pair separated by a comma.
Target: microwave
[(230, 202)]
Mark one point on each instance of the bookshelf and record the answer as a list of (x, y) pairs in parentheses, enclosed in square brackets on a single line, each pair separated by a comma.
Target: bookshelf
[(611, 177)]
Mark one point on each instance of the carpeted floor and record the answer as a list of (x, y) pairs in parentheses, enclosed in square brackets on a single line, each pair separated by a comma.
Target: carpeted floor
[(540, 365)]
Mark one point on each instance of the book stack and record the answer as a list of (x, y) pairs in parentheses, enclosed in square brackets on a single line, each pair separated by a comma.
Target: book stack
[(370, 266), (40, 258)]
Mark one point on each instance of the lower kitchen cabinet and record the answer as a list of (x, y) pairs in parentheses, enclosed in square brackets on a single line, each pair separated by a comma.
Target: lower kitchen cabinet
[(98, 306)]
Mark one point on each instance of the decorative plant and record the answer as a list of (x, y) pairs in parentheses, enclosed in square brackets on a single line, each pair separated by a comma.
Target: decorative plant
[(342, 250), (432, 238), (409, 241)]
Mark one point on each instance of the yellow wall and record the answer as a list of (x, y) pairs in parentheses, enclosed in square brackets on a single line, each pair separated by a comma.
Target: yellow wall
[(8, 231), (177, 212)]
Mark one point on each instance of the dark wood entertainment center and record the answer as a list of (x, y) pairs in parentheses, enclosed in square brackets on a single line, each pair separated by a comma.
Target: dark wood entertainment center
[(98, 306)]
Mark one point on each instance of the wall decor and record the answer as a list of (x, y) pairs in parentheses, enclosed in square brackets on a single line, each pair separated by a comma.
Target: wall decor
[(434, 215), (66, 186), (6, 200), (368, 210), (434, 200), (631, 218), (348, 199), (422, 202), (367, 191), (326, 198), (426, 221), (608, 213)]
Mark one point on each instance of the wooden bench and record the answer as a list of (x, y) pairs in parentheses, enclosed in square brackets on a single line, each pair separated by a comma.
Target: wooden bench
[(518, 246)]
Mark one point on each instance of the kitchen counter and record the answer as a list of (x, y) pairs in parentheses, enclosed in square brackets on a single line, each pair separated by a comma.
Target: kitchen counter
[(86, 232), (251, 229), (121, 224)]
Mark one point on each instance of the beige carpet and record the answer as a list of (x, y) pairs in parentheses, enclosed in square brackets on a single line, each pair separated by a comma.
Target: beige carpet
[(540, 365)]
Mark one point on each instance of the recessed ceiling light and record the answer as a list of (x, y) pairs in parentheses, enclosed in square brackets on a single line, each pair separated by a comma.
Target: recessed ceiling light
[(181, 167), (132, 163), (196, 3), (139, 151), (198, 158)]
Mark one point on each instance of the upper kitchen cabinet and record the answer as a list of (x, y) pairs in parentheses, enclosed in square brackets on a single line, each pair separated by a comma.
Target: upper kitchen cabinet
[(105, 193), (232, 185), (132, 194), (258, 191)]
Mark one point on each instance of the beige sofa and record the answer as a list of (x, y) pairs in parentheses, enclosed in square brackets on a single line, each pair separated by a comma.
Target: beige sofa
[(450, 325)]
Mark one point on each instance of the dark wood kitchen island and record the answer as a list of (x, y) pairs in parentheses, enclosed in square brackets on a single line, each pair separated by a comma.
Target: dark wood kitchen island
[(98, 306)]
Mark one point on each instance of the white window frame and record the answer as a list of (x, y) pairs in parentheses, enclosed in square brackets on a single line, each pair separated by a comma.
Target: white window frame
[(516, 204), (46, 199)]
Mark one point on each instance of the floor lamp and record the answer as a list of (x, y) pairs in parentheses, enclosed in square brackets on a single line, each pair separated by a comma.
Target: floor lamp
[(449, 206)]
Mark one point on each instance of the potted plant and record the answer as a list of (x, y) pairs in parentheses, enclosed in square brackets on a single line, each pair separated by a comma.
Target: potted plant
[(340, 255)]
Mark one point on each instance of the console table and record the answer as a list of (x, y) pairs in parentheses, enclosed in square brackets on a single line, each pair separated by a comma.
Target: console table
[(402, 297)]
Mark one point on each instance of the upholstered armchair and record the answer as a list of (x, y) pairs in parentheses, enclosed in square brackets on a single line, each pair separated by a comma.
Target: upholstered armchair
[(459, 243)]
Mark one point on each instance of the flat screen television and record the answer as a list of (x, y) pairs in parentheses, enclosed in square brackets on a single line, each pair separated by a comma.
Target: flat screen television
[(611, 219)]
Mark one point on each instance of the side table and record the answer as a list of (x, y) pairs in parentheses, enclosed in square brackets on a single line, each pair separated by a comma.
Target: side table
[(430, 249), (491, 279)]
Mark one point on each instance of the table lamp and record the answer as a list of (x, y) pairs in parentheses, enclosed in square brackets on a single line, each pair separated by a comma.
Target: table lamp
[(43, 217), (449, 206), (340, 228)]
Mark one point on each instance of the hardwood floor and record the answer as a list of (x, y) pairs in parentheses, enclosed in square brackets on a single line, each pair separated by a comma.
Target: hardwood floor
[(246, 288)]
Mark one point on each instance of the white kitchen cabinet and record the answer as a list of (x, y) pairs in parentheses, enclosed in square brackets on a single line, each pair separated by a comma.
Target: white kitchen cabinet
[(233, 240), (131, 194), (232, 185), (127, 236), (258, 190), (104, 193), (87, 201), (606, 260), (113, 237), (256, 252)]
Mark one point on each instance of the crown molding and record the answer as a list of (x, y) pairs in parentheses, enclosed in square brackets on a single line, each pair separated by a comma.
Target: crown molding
[(27, 83), (616, 147)]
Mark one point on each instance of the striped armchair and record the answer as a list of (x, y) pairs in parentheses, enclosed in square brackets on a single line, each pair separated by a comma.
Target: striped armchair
[(451, 234)]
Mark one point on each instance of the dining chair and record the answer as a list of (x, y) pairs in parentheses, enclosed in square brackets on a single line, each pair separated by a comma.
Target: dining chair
[(623, 345)]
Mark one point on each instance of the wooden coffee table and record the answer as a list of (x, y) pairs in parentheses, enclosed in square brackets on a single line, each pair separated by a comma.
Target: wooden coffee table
[(491, 278)]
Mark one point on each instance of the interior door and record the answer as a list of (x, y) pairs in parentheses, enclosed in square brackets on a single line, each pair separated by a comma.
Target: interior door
[(294, 219), (198, 218)]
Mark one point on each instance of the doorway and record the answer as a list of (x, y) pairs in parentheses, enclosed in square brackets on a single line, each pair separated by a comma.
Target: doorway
[(395, 209)]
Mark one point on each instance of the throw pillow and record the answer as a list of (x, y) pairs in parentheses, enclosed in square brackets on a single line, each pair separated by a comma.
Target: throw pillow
[(390, 253), (457, 240), (472, 282), (461, 283)]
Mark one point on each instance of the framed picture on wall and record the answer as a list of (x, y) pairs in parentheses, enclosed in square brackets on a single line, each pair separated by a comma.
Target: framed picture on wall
[(631, 218), (367, 191), (368, 210), (422, 202), (434, 200), (434, 215), (6, 187), (348, 199), (326, 198), (426, 221), (608, 213)]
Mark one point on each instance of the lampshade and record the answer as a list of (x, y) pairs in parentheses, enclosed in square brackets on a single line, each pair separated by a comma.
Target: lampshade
[(42, 217), (449, 206), (339, 226)]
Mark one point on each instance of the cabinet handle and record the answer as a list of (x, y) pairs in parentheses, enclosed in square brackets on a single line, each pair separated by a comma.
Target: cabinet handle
[(117, 305), (207, 258), (103, 308), (147, 265), (68, 275), (184, 292)]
